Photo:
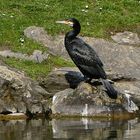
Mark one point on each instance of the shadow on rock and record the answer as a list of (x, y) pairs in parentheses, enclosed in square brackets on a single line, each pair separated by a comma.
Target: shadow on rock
[(74, 78)]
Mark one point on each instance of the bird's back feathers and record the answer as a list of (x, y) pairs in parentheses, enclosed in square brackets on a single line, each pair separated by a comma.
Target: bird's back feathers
[(85, 58)]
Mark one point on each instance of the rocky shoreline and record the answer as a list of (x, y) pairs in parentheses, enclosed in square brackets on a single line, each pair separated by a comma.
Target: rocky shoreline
[(63, 92)]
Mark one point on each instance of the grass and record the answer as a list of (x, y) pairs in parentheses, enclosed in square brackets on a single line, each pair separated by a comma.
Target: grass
[(98, 18), (34, 70)]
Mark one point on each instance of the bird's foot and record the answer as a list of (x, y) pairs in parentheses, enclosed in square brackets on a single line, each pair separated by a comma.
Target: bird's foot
[(87, 80), (96, 82), (93, 81), (110, 81)]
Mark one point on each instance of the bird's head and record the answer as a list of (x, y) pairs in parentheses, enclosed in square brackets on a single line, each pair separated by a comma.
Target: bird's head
[(72, 22)]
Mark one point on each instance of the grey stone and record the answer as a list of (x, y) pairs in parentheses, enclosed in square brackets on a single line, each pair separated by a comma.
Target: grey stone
[(127, 38), (54, 44), (87, 100), (60, 79), (37, 55), (19, 93), (122, 60)]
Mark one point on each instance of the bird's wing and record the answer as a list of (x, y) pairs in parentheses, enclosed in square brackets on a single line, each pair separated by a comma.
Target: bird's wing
[(84, 54)]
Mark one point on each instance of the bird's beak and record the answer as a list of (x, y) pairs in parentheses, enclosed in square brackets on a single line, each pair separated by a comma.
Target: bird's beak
[(65, 22), (62, 22)]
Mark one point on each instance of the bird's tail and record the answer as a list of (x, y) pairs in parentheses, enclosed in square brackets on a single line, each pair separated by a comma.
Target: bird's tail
[(112, 93)]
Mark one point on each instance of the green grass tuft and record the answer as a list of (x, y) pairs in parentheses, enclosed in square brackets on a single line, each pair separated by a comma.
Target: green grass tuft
[(33, 69)]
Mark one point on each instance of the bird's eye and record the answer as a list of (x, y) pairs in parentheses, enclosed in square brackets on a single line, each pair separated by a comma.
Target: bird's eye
[(70, 23)]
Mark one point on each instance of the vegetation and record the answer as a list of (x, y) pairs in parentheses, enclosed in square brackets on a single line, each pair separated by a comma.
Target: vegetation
[(99, 18), (38, 69)]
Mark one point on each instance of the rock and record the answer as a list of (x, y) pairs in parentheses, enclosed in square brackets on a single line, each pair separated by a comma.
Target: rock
[(122, 60), (130, 87), (69, 77), (126, 38), (54, 44), (87, 100), (60, 79), (37, 55), (37, 33), (63, 78), (19, 94)]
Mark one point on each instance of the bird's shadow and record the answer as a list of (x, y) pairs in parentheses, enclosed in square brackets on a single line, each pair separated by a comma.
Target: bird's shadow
[(74, 78)]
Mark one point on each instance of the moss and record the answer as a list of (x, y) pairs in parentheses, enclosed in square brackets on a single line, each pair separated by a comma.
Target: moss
[(105, 116), (12, 117)]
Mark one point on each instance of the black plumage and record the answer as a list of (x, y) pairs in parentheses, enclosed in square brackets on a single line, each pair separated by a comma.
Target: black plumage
[(85, 57)]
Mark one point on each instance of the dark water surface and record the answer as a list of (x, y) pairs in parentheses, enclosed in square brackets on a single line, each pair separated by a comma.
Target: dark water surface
[(70, 129)]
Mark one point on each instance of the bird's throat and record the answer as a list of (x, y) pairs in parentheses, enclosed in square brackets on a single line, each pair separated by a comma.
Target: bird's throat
[(72, 34)]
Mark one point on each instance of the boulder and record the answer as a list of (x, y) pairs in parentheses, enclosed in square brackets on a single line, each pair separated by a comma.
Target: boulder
[(20, 94), (88, 100), (60, 79)]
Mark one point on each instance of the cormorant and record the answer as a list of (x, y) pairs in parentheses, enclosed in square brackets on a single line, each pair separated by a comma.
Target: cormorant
[(85, 57)]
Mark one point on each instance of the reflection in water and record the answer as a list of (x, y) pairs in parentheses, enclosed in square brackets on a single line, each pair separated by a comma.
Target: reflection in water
[(69, 129)]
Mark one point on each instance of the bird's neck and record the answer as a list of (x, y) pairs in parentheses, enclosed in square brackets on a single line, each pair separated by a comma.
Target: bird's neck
[(73, 33)]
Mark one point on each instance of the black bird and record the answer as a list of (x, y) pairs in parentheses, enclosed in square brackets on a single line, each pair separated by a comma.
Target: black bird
[(85, 57)]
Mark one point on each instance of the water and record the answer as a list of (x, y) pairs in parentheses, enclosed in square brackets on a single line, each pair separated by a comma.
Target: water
[(70, 129)]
